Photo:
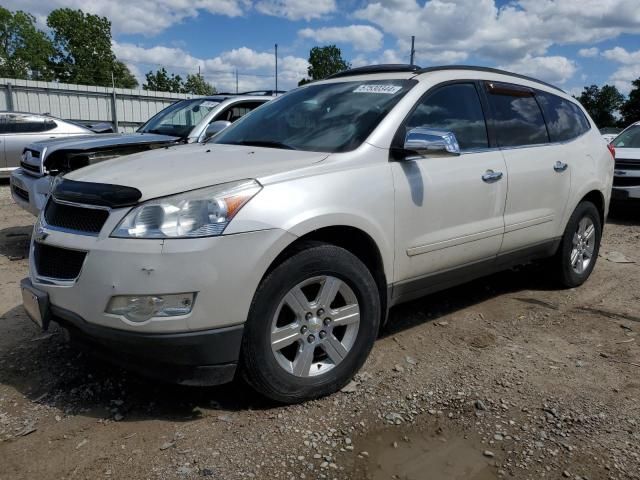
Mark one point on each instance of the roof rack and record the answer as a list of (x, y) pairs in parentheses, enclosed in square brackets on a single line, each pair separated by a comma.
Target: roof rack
[(383, 68), (488, 70)]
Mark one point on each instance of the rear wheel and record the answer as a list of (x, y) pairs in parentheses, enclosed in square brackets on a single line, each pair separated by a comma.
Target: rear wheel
[(580, 245), (311, 326)]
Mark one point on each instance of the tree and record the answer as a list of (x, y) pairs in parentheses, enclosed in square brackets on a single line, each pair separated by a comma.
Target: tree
[(161, 81), (83, 52), (602, 104), (24, 50), (197, 85), (631, 109), (324, 61)]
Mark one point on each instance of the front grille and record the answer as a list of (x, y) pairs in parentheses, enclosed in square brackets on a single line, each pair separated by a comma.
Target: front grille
[(19, 192), (55, 262), (30, 168), (71, 217), (622, 181), (623, 164)]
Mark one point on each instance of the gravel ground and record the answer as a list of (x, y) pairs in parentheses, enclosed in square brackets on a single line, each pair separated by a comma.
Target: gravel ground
[(505, 377)]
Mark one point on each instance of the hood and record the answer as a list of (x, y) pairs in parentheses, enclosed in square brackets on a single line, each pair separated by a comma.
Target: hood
[(106, 140), (181, 168), (627, 153)]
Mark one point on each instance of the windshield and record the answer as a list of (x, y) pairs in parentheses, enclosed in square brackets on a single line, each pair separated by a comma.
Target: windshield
[(179, 118), (330, 117), (630, 138)]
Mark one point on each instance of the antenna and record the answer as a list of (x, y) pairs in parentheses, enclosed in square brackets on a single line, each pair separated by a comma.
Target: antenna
[(413, 50)]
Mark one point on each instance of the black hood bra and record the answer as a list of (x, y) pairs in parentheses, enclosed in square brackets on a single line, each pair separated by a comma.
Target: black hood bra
[(100, 194)]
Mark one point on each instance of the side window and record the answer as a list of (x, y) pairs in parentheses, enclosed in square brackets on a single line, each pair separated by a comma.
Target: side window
[(30, 124), (237, 111), (565, 120), (454, 108), (4, 124), (517, 118)]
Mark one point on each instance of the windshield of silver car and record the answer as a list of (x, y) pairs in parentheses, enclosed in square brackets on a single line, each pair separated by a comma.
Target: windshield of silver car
[(178, 119), (630, 138), (328, 117)]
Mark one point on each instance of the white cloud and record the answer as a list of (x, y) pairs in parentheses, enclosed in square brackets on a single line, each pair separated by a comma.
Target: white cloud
[(623, 77), (148, 17), (255, 69), (553, 69), (621, 55), (588, 52), (628, 72), (296, 9), (522, 29), (362, 37)]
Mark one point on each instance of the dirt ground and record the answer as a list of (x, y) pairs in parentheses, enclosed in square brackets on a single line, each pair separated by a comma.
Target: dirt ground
[(506, 377)]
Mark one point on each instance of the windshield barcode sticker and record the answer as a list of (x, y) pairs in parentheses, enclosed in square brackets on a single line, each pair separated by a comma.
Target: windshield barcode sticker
[(387, 89)]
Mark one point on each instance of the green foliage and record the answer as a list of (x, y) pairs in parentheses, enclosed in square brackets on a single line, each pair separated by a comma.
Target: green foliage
[(24, 50), (197, 85), (631, 109), (602, 104), (83, 52), (324, 61), (163, 82)]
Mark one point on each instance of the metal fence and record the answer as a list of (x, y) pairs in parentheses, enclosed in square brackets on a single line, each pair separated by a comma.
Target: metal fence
[(125, 109)]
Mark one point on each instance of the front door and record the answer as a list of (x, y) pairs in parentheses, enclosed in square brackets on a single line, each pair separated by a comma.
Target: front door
[(449, 212)]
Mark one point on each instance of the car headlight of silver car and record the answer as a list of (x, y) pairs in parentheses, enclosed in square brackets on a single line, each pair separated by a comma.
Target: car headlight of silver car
[(199, 213)]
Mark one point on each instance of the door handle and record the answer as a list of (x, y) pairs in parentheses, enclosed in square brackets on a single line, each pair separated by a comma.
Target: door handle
[(490, 176), (560, 166)]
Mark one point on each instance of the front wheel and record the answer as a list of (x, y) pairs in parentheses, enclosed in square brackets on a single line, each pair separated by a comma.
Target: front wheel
[(312, 324), (580, 245)]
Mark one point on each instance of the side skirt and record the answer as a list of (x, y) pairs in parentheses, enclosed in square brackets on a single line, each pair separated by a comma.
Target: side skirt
[(419, 287)]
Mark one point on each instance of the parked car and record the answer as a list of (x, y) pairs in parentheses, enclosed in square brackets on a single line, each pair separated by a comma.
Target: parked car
[(19, 129), (186, 121), (276, 249), (626, 180), (609, 133)]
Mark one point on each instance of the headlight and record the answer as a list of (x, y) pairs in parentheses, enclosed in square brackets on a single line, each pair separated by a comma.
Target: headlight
[(199, 213)]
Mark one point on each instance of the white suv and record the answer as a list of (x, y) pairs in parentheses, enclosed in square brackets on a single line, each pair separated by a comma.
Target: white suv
[(276, 249)]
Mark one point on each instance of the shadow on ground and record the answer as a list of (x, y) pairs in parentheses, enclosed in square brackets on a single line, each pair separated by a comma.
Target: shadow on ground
[(14, 242), (47, 370)]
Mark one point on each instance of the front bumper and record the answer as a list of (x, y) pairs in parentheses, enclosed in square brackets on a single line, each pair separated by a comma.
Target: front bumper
[(625, 193), (207, 357), (29, 192)]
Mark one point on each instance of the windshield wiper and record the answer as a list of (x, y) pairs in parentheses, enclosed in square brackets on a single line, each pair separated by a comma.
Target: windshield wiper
[(264, 143)]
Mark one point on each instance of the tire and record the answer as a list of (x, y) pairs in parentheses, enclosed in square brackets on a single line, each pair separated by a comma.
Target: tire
[(285, 373), (571, 258)]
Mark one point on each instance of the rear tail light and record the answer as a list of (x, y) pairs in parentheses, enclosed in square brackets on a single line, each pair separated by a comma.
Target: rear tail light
[(612, 150)]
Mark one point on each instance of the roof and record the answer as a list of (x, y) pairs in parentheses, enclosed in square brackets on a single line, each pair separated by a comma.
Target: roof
[(406, 68)]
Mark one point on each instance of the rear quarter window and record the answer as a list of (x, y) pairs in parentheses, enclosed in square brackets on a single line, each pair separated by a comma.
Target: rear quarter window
[(565, 120), (517, 118)]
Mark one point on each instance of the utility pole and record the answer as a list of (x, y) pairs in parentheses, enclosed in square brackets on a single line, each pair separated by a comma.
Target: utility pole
[(413, 50), (276, 68), (114, 105), (236, 80)]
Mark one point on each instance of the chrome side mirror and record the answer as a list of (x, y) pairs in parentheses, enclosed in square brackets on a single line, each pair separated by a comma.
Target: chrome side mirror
[(215, 127), (427, 141)]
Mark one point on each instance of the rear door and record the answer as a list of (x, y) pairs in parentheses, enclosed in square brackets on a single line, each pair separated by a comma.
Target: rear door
[(539, 171), (447, 215)]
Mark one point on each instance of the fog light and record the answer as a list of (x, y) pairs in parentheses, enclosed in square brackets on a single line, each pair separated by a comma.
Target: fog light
[(139, 308)]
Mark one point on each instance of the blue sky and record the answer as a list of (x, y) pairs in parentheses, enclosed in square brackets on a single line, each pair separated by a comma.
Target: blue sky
[(568, 42)]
